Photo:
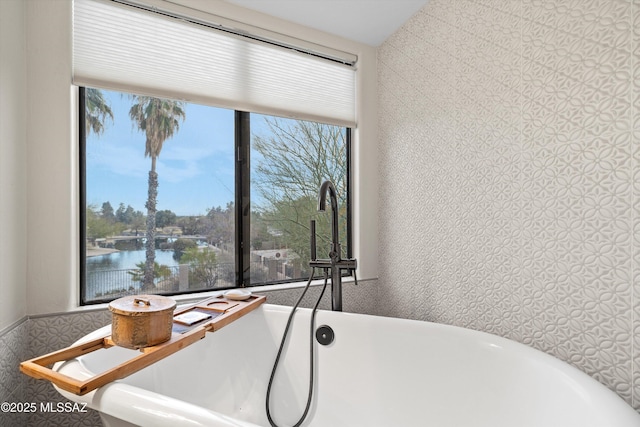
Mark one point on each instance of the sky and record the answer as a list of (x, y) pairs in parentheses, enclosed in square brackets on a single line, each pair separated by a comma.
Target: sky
[(195, 167)]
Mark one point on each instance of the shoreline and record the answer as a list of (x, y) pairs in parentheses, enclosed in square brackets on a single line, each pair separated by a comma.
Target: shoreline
[(91, 252)]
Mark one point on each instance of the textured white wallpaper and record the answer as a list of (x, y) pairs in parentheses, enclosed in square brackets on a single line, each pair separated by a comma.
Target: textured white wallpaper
[(510, 173)]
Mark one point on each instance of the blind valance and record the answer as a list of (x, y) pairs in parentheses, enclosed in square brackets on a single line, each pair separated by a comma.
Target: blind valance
[(122, 47)]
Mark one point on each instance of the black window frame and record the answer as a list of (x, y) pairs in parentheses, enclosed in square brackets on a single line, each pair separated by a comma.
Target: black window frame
[(242, 132)]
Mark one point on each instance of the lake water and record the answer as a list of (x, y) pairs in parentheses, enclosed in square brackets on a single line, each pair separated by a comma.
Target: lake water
[(109, 273), (125, 260)]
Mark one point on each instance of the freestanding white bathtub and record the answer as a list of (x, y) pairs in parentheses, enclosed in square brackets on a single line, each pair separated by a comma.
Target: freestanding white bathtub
[(377, 372)]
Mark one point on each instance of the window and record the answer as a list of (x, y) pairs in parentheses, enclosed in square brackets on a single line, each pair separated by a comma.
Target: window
[(289, 160), (224, 197), (181, 196)]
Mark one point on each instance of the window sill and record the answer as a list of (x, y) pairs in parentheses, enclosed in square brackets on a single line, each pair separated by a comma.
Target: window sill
[(191, 298)]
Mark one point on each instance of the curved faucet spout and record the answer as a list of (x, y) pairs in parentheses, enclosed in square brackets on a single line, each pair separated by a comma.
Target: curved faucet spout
[(335, 261), (328, 186)]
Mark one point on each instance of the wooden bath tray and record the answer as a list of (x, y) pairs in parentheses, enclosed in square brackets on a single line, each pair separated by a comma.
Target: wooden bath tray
[(222, 310)]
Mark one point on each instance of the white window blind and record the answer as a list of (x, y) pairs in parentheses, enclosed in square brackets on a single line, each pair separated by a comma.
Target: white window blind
[(120, 47)]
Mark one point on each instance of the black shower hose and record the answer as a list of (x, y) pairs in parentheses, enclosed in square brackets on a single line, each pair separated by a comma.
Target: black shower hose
[(284, 338)]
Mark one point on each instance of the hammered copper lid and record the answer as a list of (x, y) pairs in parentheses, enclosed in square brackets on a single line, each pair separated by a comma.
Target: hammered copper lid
[(141, 305)]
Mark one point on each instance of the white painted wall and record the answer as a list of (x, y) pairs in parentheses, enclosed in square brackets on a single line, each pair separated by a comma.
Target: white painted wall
[(52, 155), (51, 190), (13, 163)]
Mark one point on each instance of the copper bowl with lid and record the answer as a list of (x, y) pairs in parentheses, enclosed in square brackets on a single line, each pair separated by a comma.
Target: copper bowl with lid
[(140, 321)]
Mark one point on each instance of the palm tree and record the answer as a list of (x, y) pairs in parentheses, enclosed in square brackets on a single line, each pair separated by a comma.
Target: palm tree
[(159, 119), (96, 110)]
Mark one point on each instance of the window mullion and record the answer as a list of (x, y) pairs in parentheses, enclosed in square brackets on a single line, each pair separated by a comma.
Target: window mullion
[(349, 197), (243, 198)]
